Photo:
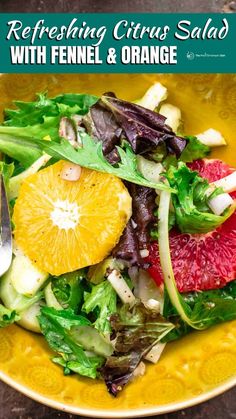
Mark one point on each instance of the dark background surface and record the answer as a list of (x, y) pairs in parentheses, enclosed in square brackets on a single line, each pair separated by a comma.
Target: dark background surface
[(13, 404), (114, 6)]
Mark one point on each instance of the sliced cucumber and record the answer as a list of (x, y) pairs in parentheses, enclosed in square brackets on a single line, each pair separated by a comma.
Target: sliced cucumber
[(28, 318), (16, 181), (50, 298), (11, 298), (147, 290), (86, 336), (150, 169), (153, 96), (212, 138), (25, 277), (172, 114)]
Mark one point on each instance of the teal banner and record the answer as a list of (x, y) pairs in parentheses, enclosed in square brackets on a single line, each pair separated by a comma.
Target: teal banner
[(118, 43)]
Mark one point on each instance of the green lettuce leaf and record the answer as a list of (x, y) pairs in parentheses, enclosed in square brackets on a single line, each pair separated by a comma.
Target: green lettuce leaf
[(48, 127), (33, 121), (6, 170), (22, 149), (207, 308), (194, 150), (33, 113), (58, 327), (78, 367), (7, 316), (69, 289), (91, 156), (190, 203), (102, 302)]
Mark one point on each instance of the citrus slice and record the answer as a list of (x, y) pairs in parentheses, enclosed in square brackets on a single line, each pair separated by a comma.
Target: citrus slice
[(211, 169), (65, 225), (201, 261)]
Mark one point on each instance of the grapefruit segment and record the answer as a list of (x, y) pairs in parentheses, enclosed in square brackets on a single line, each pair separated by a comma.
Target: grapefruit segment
[(201, 261), (211, 169), (63, 225)]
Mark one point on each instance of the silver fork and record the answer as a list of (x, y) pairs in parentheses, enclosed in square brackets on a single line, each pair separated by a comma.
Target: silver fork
[(5, 231)]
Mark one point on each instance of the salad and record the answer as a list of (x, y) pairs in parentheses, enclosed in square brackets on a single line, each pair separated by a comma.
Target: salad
[(123, 228)]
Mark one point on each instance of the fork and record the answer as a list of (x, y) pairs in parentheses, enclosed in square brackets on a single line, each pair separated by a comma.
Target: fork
[(5, 231)]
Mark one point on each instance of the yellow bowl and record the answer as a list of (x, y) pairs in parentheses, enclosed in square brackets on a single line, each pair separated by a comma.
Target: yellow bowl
[(191, 370)]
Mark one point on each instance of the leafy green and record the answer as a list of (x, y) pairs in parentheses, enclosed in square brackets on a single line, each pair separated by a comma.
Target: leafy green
[(194, 150), (102, 302), (191, 210), (23, 149), (159, 154), (68, 289), (73, 366), (48, 127), (6, 170), (7, 316), (91, 156), (64, 318), (22, 134), (33, 113), (36, 120), (57, 327), (97, 273), (207, 308), (137, 329)]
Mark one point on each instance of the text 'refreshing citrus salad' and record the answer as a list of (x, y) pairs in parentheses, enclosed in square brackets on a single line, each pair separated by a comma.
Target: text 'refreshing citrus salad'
[(124, 230)]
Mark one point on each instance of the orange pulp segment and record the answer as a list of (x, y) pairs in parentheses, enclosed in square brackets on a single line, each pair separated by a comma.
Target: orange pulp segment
[(66, 225)]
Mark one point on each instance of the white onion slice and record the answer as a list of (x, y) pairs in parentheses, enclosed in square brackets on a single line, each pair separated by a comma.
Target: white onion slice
[(151, 170), (219, 203), (120, 286), (153, 304), (140, 370), (153, 96), (154, 354), (144, 253), (172, 114), (71, 172), (211, 138), (227, 183)]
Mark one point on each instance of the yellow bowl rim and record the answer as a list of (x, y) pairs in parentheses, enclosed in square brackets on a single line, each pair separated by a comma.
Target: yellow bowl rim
[(127, 413)]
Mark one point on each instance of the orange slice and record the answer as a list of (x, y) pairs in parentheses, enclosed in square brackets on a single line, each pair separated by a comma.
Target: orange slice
[(65, 225)]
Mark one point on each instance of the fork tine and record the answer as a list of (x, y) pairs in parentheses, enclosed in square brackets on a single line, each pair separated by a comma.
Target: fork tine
[(5, 231)]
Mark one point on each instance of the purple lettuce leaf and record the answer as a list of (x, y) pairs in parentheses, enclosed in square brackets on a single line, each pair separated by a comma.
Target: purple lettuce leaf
[(128, 246), (143, 206), (136, 235), (111, 120), (136, 330), (144, 129), (101, 124)]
